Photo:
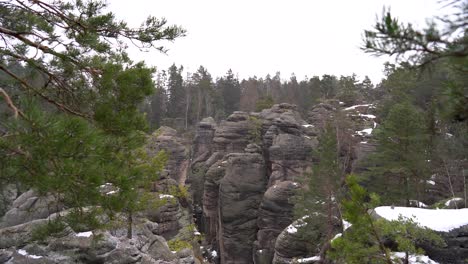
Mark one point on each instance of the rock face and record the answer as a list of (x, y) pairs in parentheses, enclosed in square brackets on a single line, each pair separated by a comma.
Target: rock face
[(455, 252), (30, 206), (94, 247), (19, 244), (243, 174), (166, 138), (240, 193)]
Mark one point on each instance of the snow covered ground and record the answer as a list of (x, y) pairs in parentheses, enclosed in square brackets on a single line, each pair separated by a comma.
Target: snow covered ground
[(414, 259), (442, 220)]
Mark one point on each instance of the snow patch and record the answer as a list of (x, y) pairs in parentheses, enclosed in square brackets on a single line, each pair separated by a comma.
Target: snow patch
[(23, 252), (442, 220), (356, 106), (414, 259), (447, 203), (309, 259), (346, 225), (431, 182), (308, 125), (214, 254), (84, 234), (366, 131), (162, 196), (336, 236), (291, 229), (368, 116)]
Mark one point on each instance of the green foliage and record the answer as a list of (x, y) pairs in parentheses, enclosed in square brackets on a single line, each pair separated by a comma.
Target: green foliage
[(54, 228), (321, 190), (84, 220), (401, 156), (255, 130), (442, 43), (264, 103), (179, 191), (177, 244), (83, 129), (363, 242)]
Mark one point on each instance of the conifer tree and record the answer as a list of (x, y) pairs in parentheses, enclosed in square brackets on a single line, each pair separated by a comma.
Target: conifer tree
[(321, 192), (364, 241), (75, 123), (401, 156)]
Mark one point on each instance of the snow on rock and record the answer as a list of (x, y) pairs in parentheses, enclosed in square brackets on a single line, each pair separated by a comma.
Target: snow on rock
[(308, 125), (291, 229), (336, 236), (23, 252), (447, 203), (162, 196), (414, 259), (366, 131), (309, 259), (442, 220), (84, 234), (356, 106), (431, 182), (346, 225), (368, 116)]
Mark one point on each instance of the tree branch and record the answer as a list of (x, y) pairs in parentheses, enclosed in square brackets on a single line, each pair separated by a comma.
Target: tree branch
[(9, 102)]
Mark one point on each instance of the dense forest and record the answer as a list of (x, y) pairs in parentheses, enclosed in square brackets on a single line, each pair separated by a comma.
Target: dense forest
[(107, 160)]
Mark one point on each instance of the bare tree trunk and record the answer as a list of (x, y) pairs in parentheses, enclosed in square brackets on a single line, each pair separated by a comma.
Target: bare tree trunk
[(129, 225), (449, 180), (187, 106)]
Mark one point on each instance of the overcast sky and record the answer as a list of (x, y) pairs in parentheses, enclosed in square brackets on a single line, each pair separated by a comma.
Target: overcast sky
[(256, 37)]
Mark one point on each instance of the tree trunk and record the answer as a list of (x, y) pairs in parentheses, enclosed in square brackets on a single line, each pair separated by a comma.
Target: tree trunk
[(129, 225)]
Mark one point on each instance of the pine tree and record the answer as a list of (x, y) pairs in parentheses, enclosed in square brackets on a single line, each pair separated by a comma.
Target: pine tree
[(177, 94), (364, 241), (229, 85), (321, 192), (75, 123), (401, 156)]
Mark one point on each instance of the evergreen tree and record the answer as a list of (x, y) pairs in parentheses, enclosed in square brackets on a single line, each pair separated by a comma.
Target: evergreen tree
[(401, 157), (75, 122), (445, 41), (202, 82), (177, 93), (364, 241), (321, 192), (229, 85)]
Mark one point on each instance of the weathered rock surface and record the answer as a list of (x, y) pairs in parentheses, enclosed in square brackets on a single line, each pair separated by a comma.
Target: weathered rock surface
[(240, 194), (30, 206), (275, 214), (166, 138)]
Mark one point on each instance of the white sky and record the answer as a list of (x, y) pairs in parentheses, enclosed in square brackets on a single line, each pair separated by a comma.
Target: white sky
[(256, 37)]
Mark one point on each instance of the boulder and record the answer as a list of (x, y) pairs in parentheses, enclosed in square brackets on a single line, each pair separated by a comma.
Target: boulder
[(31, 206)]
